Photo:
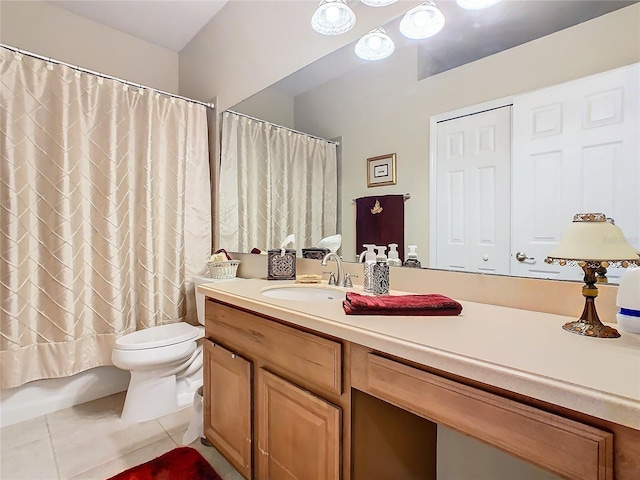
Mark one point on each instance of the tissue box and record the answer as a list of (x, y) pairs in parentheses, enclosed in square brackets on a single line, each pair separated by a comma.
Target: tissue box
[(281, 267), (314, 253)]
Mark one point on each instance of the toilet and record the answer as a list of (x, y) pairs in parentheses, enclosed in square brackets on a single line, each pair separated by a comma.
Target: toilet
[(165, 364)]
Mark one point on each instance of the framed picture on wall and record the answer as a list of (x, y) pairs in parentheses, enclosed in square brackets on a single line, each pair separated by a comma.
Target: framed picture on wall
[(381, 170)]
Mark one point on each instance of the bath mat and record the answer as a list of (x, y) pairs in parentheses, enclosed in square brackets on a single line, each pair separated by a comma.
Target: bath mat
[(182, 463)]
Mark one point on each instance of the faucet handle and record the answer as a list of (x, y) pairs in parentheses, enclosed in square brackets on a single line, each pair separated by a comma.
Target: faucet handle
[(332, 277), (347, 279)]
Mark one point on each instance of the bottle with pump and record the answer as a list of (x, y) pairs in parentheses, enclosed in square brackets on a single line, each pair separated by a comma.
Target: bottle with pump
[(369, 257), (393, 260), (381, 273), (412, 257)]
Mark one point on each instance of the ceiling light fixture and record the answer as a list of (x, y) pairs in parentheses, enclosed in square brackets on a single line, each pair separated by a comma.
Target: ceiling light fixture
[(422, 22), (375, 45), (476, 4), (378, 3), (333, 17)]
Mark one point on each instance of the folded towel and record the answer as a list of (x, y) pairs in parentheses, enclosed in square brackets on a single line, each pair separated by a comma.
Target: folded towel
[(431, 305)]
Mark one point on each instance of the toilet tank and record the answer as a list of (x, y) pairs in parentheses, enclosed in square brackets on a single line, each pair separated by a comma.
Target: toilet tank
[(199, 280)]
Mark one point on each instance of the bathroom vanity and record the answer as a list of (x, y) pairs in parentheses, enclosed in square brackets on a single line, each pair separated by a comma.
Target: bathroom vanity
[(298, 389)]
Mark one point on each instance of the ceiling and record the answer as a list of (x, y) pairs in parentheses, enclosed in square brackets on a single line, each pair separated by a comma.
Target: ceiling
[(167, 23), (467, 36)]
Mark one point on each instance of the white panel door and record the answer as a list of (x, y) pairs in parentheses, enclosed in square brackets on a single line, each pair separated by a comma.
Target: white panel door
[(575, 150), (472, 198)]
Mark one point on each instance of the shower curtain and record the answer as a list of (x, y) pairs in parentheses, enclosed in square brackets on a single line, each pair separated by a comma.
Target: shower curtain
[(274, 182), (105, 215)]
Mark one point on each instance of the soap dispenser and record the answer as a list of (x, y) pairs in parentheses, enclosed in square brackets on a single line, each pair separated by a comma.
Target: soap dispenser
[(369, 261), (381, 273), (412, 258), (393, 260)]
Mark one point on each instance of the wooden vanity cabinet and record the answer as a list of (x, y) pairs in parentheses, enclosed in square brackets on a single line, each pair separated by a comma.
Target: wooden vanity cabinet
[(227, 405), (283, 402), (291, 382)]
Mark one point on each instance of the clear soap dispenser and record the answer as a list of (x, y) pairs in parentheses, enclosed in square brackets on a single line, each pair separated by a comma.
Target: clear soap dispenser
[(381, 273), (393, 260), (412, 257), (369, 262)]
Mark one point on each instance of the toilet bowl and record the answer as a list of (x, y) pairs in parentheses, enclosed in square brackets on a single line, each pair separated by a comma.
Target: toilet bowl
[(165, 364)]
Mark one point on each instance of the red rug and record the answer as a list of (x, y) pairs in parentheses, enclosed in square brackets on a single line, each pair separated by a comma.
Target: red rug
[(182, 463)]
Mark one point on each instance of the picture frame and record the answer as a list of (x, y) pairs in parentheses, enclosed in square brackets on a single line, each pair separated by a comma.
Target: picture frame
[(381, 170)]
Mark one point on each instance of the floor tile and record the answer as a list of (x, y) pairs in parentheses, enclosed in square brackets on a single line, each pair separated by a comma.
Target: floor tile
[(30, 461), (214, 457), (127, 461), (233, 475), (86, 415), (101, 444), (176, 422), (24, 432), (90, 441)]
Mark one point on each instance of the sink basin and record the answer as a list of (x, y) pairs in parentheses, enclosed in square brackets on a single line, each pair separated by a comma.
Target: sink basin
[(303, 293)]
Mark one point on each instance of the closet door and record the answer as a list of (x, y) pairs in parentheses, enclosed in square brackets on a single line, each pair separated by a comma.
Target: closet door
[(575, 150), (472, 195)]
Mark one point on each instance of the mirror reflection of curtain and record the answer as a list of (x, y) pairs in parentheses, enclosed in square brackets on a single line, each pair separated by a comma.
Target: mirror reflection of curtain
[(105, 215), (274, 182)]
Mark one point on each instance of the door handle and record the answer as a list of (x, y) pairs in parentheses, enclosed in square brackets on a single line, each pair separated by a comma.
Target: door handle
[(521, 257)]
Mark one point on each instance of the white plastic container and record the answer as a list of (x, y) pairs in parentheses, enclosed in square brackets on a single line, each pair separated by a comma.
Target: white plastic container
[(393, 260), (628, 300), (369, 262)]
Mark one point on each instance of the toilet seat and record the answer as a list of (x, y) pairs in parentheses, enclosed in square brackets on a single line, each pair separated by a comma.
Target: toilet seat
[(159, 336)]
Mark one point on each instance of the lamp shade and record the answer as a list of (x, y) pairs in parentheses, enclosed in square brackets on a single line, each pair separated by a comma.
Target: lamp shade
[(375, 45), (422, 22), (592, 237), (333, 17)]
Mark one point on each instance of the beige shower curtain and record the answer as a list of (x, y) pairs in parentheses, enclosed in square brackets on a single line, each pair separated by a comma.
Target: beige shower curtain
[(274, 182), (105, 215)]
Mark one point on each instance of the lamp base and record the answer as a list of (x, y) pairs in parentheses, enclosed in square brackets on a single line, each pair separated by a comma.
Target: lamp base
[(589, 324), (583, 327)]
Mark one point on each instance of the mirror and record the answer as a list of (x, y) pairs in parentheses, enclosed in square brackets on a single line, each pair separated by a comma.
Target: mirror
[(383, 107)]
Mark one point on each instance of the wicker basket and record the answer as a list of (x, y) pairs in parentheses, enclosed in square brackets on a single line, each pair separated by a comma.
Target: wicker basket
[(226, 269)]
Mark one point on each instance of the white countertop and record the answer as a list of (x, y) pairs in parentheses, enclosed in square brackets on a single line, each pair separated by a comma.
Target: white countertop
[(518, 350)]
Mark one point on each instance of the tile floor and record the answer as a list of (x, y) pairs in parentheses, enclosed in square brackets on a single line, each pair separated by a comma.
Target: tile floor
[(89, 441)]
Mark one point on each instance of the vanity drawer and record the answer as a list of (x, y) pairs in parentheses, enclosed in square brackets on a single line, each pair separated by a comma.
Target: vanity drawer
[(565, 447), (308, 358)]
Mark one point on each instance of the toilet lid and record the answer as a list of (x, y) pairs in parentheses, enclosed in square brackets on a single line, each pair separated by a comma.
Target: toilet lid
[(159, 336)]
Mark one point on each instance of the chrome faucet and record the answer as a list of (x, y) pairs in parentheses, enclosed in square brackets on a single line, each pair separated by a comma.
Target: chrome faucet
[(327, 257)]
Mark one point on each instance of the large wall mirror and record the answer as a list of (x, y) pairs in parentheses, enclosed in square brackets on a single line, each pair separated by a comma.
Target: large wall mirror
[(386, 106)]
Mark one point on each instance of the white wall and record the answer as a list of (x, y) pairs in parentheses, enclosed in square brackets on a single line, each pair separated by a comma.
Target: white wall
[(271, 105), (47, 30), (381, 108)]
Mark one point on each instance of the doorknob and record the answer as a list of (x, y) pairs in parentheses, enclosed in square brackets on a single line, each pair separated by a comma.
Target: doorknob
[(521, 257)]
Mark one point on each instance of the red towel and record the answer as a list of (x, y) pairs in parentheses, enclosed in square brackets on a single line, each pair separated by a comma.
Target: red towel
[(381, 228), (428, 305)]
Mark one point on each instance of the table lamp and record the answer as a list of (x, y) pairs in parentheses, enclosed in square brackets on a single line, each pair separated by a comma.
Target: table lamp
[(592, 242)]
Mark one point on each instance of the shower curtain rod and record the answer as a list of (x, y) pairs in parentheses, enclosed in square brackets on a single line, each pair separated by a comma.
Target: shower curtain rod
[(103, 75), (281, 126), (407, 196)]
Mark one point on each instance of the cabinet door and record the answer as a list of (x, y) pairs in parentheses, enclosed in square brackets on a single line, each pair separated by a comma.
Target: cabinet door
[(227, 402), (298, 433)]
